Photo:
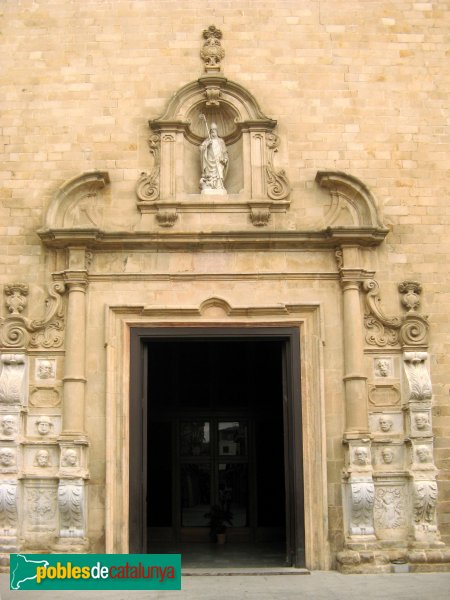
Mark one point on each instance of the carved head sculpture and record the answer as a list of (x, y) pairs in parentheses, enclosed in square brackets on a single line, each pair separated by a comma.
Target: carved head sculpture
[(385, 423), (44, 425), (7, 457), (42, 459), (46, 369), (383, 367), (387, 454), (361, 456), (421, 421), (213, 130), (423, 454), (8, 425), (70, 458)]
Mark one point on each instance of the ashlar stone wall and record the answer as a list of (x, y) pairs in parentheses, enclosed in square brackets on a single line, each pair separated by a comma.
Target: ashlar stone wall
[(355, 88)]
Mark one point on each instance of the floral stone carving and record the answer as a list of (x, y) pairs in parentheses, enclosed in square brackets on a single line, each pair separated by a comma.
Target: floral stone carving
[(71, 508), (425, 497), (389, 510), (41, 508), (362, 495), (8, 508), (12, 378), (417, 376)]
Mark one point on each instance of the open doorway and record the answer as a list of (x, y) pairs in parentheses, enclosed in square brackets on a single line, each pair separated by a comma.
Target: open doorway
[(217, 431)]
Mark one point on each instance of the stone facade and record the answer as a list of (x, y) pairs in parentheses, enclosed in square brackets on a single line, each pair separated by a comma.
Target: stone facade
[(335, 219)]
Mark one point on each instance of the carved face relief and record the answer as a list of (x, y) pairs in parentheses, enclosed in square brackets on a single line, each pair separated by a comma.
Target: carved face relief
[(8, 425), (387, 456), (45, 369), (385, 423), (42, 459), (423, 454), (7, 457), (361, 457), (421, 421), (70, 458), (44, 425), (383, 367)]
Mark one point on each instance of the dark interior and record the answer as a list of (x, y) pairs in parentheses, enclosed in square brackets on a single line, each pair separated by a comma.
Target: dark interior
[(215, 437)]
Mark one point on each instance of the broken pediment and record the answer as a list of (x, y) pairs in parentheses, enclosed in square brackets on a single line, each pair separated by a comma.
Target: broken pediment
[(77, 203)]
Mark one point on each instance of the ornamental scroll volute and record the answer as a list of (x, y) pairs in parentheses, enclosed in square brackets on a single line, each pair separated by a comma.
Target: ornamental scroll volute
[(213, 150), (408, 331), (18, 332)]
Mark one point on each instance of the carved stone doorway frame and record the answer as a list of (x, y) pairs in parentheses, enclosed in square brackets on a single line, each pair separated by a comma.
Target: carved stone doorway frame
[(217, 313)]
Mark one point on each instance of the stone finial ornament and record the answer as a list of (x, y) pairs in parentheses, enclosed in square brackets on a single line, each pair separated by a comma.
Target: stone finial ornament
[(410, 291), (16, 297), (212, 51)]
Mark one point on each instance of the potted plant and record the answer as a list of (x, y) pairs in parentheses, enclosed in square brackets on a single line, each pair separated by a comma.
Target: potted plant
[(218, 519)]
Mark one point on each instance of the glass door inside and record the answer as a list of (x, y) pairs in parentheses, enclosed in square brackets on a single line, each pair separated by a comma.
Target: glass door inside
[(213, 472)]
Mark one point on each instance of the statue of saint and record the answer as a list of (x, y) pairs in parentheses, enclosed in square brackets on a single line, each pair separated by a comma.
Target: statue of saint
[(214, 161)]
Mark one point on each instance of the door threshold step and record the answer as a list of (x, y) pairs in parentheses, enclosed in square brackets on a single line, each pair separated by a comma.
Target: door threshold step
[(198, 571)]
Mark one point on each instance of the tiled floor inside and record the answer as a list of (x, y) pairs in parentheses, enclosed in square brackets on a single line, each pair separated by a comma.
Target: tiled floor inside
[(236, 555)]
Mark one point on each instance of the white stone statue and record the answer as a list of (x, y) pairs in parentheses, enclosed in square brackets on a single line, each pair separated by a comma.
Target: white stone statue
[(214, 161)]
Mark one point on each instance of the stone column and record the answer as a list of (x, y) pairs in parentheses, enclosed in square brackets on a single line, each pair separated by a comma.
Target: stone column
[(75, 342), (354, 379)]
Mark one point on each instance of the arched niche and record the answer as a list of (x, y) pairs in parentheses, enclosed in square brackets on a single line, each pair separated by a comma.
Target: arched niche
[(252, 183)]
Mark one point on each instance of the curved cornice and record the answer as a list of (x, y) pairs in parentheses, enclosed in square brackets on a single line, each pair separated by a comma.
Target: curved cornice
[(71, 192), (348, 191)]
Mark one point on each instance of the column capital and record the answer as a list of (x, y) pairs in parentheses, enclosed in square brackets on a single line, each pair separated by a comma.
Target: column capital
[(76, 280), (351, 279)]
